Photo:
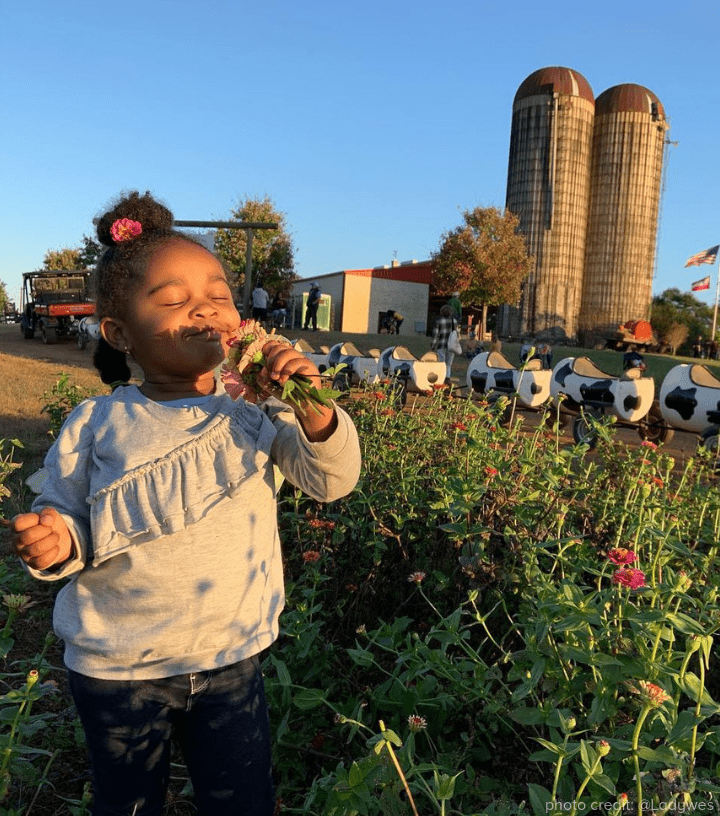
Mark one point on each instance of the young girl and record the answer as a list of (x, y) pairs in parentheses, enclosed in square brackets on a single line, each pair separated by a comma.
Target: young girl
[(159, 505)]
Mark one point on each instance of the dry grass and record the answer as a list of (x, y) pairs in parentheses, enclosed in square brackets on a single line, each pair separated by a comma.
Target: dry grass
[(26, 384)]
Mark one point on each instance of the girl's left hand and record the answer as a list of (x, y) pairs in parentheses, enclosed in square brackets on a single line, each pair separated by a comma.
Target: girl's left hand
[(281, 362)]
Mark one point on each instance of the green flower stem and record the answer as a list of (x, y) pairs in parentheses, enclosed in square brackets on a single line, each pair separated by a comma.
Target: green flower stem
[(656, 643), (584, 783), (640, 527), (12, 614), (22, 713), (698, 706), (389, 747), (558, 767), (482, 620), (636, 760)]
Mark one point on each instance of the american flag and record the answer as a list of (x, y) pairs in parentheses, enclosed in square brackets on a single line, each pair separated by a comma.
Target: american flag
[(707, 256), (701, 284)]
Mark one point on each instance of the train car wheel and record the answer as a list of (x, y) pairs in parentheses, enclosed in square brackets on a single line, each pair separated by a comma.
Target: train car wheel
[(583, 428), (653, 427)]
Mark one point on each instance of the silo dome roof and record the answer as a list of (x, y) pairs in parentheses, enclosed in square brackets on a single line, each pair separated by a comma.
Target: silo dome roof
[(555, 80), (629, 97)]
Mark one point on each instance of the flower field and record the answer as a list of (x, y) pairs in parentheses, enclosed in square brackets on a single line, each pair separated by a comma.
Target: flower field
[(493, 622)]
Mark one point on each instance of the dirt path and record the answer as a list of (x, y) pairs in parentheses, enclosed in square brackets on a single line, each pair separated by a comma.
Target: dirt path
[(64, 352)]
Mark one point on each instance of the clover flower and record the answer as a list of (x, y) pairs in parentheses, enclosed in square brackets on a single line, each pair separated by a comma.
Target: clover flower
[(621, 556), (629, 577), (19, 603), (491, 471), (417, 577), (246, 360), (458, 426), (416, 722)]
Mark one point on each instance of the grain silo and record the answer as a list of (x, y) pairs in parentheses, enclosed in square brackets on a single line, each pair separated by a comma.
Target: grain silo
[(626, 184), (548, 189)]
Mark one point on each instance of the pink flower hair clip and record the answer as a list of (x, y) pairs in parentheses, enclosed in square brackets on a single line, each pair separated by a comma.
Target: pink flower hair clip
[(124, 229)]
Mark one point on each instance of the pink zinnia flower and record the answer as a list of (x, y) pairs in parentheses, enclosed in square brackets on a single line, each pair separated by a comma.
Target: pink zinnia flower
[(621, 556), (310, 556), (491, 471), (651, 694), (124, 229), (629, 577)]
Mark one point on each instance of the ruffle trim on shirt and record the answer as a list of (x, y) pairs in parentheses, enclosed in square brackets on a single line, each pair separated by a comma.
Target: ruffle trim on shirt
[(177, 490)]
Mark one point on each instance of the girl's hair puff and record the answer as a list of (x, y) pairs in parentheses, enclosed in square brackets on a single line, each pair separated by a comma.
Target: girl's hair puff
[(121, 268)]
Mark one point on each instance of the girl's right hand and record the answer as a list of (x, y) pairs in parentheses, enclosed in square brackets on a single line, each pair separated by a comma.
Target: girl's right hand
[(41, 540)]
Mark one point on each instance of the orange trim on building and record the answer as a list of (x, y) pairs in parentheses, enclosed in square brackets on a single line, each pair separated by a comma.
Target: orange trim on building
[(421, 272)]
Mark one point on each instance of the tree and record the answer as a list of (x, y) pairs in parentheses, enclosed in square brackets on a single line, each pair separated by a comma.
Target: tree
[(675, 336), (58, 259), (3, 296), (485, 259), (273, 262), (674, 306), (83, 257), (90, 252)]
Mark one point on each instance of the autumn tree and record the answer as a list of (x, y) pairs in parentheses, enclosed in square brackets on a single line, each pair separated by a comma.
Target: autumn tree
[(675, 336), (273, 262), (485, 259)]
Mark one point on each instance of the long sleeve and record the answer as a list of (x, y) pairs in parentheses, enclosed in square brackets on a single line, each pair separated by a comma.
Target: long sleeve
[(66, 487), (324, 470)]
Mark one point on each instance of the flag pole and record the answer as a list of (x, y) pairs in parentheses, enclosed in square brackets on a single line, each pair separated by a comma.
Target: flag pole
[(717, 297)]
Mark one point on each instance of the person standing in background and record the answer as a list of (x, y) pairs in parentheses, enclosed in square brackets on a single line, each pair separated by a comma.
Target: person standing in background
[(259, 303), (313, 301), (456, 306), (444, 325)]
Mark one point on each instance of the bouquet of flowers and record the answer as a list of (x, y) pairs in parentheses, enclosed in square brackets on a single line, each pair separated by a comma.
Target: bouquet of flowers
[(246, 360)]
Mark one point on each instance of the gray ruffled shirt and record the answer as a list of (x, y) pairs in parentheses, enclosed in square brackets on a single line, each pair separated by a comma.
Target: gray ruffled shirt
[(177, 565)]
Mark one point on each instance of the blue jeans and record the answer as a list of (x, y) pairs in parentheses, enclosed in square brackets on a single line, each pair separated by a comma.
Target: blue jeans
[(219, 719)]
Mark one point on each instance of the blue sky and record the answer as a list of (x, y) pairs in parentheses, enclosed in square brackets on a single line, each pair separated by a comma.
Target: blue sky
[(371, 125)]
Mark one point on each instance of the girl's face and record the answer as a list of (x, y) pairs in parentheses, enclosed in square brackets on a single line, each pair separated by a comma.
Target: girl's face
[(179, 319)]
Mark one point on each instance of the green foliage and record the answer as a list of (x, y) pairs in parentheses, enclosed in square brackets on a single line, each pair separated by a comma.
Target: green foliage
[(83, 257), (273, 253), (467, 587), (460, 635), (673, 307), (60, 259), (3, 296), (485, 258), (63, 397)]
